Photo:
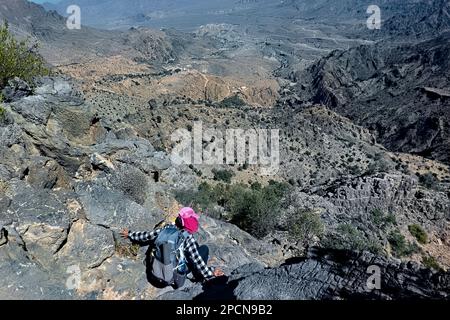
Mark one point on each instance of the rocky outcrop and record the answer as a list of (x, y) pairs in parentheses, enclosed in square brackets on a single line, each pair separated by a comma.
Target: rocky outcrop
[(343, 275), (325, 275)]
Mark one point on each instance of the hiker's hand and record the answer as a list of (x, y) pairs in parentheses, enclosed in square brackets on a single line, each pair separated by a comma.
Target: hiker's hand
[(218, 272), (124, 233)]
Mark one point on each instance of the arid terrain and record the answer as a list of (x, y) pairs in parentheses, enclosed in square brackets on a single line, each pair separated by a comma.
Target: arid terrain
[(364, 122)]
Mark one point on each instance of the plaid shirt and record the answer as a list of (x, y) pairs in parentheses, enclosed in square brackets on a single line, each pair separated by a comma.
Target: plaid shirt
[(190, 249)]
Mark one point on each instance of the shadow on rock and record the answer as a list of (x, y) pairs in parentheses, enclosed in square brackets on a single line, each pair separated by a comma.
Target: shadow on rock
[(218, 289)]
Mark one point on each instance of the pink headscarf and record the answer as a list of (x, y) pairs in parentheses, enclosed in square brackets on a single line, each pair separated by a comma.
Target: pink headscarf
[(189, 219)]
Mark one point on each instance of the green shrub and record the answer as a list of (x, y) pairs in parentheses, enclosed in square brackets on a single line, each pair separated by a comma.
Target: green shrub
[(428, 180), (18, 59), (348, 237), (390, 219), (377, 216), (381, 220), (253, 209), (233, 101), (418, 233), (2, 114), (305, 225), (202, 199), (223, 175), (400, 247), (431, 263)]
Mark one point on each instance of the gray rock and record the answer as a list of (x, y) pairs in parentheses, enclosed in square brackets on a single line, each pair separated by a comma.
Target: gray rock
[(29, 206), (87, 246), (16, 90), (10, 135), (55, 86), (23, 278), (46, 173), (3, 239), (27, 281), (5, 173), (33, 108), (342, 275), (107, 207)]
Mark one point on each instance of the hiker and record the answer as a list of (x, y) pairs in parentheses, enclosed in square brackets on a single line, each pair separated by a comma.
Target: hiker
[(176, 252)]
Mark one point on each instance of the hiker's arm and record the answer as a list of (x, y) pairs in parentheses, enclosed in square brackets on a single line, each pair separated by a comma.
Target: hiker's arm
[(143, 236), (200, 264)]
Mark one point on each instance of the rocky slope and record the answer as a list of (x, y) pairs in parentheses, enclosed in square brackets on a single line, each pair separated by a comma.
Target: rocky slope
[(86, 152), (69, 182), (397, 91)]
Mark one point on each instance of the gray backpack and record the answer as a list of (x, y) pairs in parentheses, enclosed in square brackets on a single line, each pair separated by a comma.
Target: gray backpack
[(169, 262)]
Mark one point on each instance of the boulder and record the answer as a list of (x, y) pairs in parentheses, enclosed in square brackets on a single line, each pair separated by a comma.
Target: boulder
[(107, 207), (16, 90), (87, 246)]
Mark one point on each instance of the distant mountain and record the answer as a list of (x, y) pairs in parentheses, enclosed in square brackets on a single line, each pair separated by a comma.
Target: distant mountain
[(188, 14), (59, 45), (183, 14)]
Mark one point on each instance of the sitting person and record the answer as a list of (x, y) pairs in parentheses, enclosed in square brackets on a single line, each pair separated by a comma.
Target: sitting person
[(176, 252)]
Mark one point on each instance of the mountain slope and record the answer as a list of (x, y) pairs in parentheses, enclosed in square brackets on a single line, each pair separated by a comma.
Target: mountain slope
[(59, 45), (389, 89)]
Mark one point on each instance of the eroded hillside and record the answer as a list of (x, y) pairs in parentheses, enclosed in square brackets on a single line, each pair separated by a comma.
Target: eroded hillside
[(362, 179)]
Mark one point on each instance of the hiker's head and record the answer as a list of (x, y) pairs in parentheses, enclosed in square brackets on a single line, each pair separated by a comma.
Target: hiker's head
[(187, 219)]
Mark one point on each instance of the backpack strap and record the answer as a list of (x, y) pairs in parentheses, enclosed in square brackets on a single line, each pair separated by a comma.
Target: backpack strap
[(180, 250)]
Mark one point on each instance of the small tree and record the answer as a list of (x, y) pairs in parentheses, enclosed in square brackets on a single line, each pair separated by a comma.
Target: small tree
[(305, 225), (222, 175), (18, 58)]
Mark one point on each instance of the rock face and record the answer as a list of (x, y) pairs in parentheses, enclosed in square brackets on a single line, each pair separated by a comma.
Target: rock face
[(325, 275), (342, 275)]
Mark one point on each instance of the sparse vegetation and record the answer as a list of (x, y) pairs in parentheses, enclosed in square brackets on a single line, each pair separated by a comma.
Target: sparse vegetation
[(2, 109), (381, 220), (127, 250), (19, 58), (428, 180), (223, 175), (305, 225), (431, 263), (418, 233), (233, 101), (379, 164), (2, 114), (3, 186), (401, 247), (348, 237)]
